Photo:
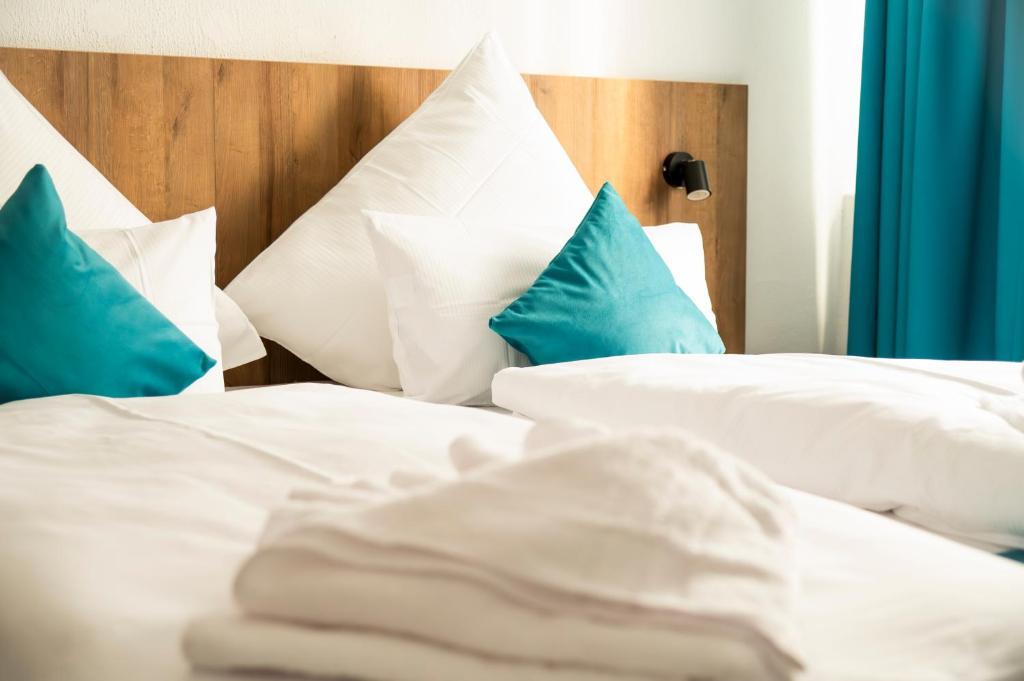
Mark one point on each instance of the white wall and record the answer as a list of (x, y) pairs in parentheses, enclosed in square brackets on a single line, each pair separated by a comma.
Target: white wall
[(836, 42), (773, 46)]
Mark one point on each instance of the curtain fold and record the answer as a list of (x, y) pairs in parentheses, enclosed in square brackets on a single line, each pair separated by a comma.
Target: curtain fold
[(938, 241)]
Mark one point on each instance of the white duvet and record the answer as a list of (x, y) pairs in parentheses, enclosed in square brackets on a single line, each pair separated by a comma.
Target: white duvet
[(121, 520), (938, 443)]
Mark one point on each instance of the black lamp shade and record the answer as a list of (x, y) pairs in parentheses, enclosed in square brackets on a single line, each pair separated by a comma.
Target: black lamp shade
[(681, 170), (695, 177)]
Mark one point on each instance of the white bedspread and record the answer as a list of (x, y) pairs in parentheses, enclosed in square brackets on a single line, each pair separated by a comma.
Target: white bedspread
[(120, 520), (606, 556), (938, 443)]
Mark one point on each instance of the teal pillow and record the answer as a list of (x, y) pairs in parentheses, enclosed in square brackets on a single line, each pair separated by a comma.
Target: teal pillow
[(606, 293), (69, 322)]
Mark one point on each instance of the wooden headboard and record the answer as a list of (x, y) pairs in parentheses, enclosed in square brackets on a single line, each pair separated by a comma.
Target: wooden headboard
[(263, 141)]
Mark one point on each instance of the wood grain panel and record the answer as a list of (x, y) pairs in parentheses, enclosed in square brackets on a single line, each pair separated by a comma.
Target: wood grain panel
[(264, 141), (244, 172), (189, 137), (127, 129)]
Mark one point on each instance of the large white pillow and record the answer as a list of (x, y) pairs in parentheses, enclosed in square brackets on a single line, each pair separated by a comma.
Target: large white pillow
[(90, 201), (681, 246), (476, 149), (444, 279), (171, 264)]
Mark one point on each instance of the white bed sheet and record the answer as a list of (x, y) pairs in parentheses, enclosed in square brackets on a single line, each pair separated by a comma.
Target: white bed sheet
[(121, 519)]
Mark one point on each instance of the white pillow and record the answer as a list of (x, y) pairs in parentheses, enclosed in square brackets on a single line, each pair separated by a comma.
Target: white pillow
[(477, 148), (444, 280), (171, 264), (90, 201), (681, 246), (239, 340)]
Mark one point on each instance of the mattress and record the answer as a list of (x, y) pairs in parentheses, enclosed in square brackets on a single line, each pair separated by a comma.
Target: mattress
[(122, 519)]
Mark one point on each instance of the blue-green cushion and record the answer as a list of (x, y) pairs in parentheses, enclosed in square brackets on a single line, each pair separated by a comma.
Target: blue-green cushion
[(606, 293), (69, 322)]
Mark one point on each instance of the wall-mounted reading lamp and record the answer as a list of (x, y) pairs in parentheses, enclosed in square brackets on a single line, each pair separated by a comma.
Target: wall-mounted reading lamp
[(681, 170)]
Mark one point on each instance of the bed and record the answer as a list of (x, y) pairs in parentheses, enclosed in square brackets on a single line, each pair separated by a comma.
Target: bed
[(133, 517), (123, 519)]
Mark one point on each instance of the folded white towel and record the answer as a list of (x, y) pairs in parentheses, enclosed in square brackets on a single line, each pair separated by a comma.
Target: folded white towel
[(637, 555)]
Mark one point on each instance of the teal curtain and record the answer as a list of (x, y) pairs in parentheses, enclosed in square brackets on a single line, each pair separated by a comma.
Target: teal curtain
[(938, 241)]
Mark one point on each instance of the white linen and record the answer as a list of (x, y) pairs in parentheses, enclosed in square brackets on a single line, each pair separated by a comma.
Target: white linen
[(267, 645), (238, 338), (444, 279), (476, 148), (120, 520), (881, 601), (681, 246), (637, 555), (929, 440), (171, 264), (91, 202)]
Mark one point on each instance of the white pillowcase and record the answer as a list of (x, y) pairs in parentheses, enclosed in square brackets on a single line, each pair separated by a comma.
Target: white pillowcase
[(476, 149), (444, 280), (91, 202), (239, 340), (171, 264), (681, 246)]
